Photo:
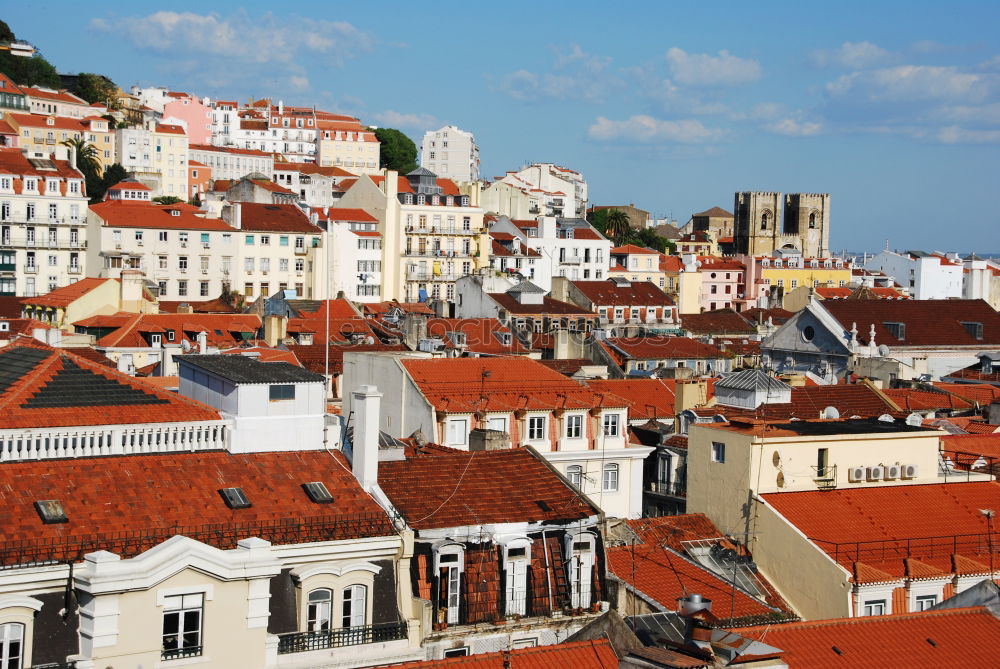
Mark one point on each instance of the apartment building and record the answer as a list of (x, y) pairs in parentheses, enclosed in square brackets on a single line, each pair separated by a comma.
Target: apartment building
[(38, 133), (47, 101), (156, 155), (507, 402), (342, 141), (186, 254), (230, 162), (43, 227), (451, 153), (314, 184), (636, 263), (787, 272), (355, 258), (927, 276), (562, 191)]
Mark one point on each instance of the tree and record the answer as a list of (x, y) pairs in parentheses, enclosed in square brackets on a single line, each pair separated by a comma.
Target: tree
[(87, 155), (167, 199), (6, 34), (96, 88), (618, 227), (112, 175), (398, 152)]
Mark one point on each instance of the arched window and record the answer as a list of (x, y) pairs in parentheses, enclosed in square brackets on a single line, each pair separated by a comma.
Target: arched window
[(575, 475), (764, 219), (812, 220), (11, 645), (609, 482), (320, 610), (354, 608)]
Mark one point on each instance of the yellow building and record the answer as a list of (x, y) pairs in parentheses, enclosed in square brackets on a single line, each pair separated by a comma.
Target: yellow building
[(765, 273), (44, 133), (341, 141), (636, 263)]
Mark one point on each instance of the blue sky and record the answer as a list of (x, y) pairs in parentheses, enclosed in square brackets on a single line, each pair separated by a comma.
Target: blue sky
[(894, 109)]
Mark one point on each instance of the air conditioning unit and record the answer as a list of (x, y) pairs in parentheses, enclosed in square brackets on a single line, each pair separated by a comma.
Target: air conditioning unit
[(138, 242), (909, 471), (857, 474), (876, 473), (118, 246), (184, 245), (204, 271), (204, 245), (892, 472)]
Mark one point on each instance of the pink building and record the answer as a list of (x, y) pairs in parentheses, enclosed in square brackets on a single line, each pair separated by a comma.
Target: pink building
[(190, 109), (722, 284), (199, 178)]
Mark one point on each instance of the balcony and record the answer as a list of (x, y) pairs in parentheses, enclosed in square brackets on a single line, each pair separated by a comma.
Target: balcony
[(575, 260), (669, 488), (31, 269), (825, 477), (73, 269), (8, 267), (300, 642), (178, 653), (417, 275), (301, 250)]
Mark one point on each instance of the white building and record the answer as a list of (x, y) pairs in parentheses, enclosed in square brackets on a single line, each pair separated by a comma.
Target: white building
[(451, 153), (355, 257), (927, 276), (43, 233), (157, 156), (563, 191), (188, 255), (566, 247), (231, 162)]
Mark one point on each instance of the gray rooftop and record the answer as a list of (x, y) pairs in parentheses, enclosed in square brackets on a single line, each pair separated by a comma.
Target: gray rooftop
[(752, 379), (525, 287), (243, 369)]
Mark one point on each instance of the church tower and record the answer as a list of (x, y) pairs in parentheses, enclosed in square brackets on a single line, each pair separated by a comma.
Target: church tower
[(757, 222), (768, 222)]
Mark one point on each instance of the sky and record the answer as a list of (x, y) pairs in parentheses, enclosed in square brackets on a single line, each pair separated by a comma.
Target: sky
[(893, 108)]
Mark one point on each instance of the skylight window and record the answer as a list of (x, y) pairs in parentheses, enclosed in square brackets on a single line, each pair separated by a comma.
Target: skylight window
[(318, 492), (235, 498), (51, 511)]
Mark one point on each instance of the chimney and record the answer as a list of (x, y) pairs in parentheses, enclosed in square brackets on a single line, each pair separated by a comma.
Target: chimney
[(275, 329), (202, 343), (560, 289), (237, 216), (185, 308), (696, 610), (281, 107), (689, 394), (130, 290), (568, 345), (367, 402)]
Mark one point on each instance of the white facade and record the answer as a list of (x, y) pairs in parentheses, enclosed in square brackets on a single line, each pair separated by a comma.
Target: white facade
[(451, 153), (925, 276), (571, 249), (563, 191), (231, 163), (43, 233), (157, 156), (355, 261)]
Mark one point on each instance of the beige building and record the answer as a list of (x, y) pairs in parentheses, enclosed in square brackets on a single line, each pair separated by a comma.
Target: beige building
[(39, 134), (636, 263), (156, 155), (43, 233), (341, 141), (58, 103)]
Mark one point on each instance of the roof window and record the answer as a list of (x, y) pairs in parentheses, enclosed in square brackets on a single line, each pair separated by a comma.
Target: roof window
[(974, 329), (235, 498), (897, 330), (317, 492), (51, 511)]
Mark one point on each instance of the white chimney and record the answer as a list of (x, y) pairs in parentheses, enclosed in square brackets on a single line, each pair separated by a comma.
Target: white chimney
[(367, 401), (202, 343)]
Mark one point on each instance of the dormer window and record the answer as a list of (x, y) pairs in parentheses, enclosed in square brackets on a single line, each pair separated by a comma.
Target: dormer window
[(974, 329), (897, 330), (408, 198), (421, 199), (465, 200)]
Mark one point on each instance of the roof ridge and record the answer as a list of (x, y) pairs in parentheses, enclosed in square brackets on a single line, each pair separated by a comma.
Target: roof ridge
[(17, 388)]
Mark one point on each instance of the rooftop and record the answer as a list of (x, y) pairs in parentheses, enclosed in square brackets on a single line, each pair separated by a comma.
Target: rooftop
[(720, 321), (660, 347), (244, 369), (609, 293), (927, 322), (256, 217), (66, 295), (577, 654), (438, 487)]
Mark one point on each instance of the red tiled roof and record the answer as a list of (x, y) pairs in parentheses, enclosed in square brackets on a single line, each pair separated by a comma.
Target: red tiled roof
[(586, 233), (480, 335), (757, 315), (715, 212), (139, 494), (21, 326), (714, 263), (648, 399), (17, 410), (983, 393), (659, 347), (170, 129), (566, 366), (257, 217), (981, 427), (926, 639), (720, 321), (608, 293), (311, 168), (12, 161), (265, 354), (912, 399), (58, 122), (577, 654), (344, 214), (672, 530), (447, 488), (136, 214), (928, 322), (402, 183), (466, 385), (987, 445), (313, 357), (670, 263), (63, 297), (60, 96), (337, 308), (216, 306), (632, 249), (855, 399), (880, 518), (221, 330), (548, 306)]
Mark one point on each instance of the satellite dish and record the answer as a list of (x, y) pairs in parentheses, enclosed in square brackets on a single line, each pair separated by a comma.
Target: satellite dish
[(883, 350), (776, 459), (831, 413), (780, 481), (886, 418), (915, 419), (185, 345)]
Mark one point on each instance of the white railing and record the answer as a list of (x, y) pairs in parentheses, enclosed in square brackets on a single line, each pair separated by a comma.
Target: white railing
[(100, 440)]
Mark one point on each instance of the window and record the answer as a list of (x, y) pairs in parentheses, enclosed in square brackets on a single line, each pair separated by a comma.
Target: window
[(516, 577), (575, 475), (163, 235), (925, 602), (320, 611), (203, 289), (283, 241), (581, 569), (457, 652), (11, 645), (450, 563), (718, 451), (875, 607), (248, 240), (281, 393), (182, 620), (265, 240), (574, 427), (457, 432), (609, 479), (182, 288), (536, 428), (498, 423), (299, 264), (611, 425)]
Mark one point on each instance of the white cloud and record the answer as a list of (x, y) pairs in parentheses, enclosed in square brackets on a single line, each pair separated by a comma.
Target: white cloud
[(643, 128), (793, 128), (702, 69), (240, 37), (956, 135), (913, 82), (853, 55), (987, 113), (575, 75), (394, 119)]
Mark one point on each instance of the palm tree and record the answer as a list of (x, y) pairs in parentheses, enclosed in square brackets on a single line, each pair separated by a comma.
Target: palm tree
[(87, 155), (617, 227)]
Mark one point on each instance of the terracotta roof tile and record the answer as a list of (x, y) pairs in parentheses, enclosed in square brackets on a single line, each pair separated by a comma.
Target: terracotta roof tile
[(886, 641), (437, 488), (850, 400), (720, 321), (715, 212), (928, 322), (548, 306), (62, 297), (648, 398), (257, 217), (135, 214), (912, 399), (577, 654), (659, 347), (637, 293)]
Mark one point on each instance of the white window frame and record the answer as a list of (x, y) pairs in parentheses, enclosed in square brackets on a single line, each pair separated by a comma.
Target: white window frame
[(451, 437), (182, 604), (575, 475), (580, 551), (536, 426), (924, 602), (574, 426), (319, 610), (719, 452), (10, 634), (452, 558), (496, 423), (875, 607), (516, 576), (612, 425), (610, 477), (352, 598)]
